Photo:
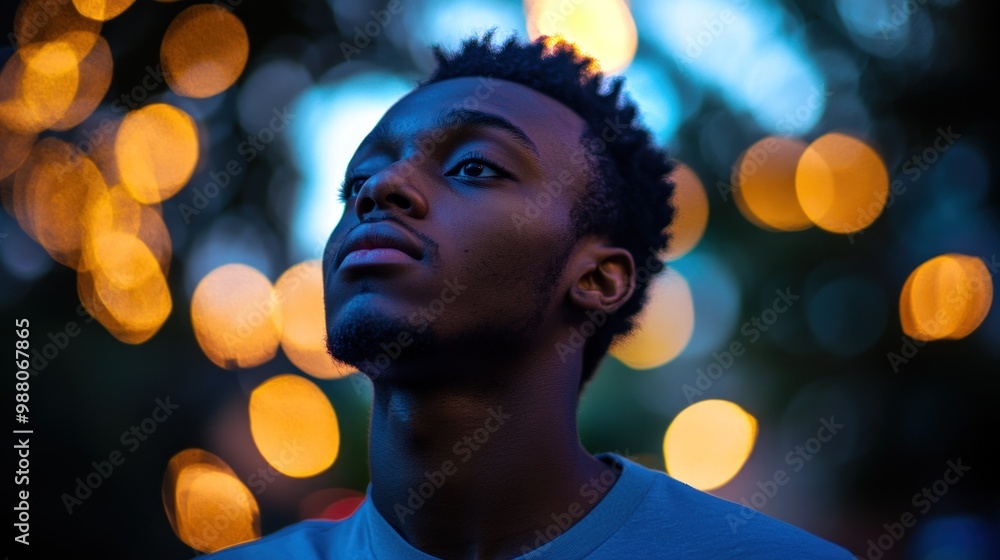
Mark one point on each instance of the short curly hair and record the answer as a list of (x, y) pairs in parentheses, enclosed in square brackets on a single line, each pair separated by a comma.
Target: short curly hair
[(629, 195)]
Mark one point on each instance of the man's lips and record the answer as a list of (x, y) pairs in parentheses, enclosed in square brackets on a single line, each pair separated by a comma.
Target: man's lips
[(379, 242)]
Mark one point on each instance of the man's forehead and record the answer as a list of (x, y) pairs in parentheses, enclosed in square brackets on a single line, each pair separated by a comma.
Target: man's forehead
[(547, 122)]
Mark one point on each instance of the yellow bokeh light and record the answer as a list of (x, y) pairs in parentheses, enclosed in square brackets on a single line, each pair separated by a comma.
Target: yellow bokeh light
[(204, 51), (38, 85), (122, 285), (294, 425), (236, 318), (14, 149), (94, 79), (601, 29), (102, 10), (156, 150), (665, 326), (101, 148), (53, 190), (841, 183), (303, 337), (764, 184), (691, 204), (947, 297), (708, 443), (116, 211), (43, 21), (208, 507)]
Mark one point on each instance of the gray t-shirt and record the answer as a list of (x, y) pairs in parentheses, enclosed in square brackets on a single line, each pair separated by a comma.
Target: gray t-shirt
[(645, 514)]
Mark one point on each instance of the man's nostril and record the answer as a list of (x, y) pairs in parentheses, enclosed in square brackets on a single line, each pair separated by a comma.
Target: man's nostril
[(401, 201), (366, 205)]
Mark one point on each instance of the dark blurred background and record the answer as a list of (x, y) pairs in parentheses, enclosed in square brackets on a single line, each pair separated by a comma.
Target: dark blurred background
[(885, 107)]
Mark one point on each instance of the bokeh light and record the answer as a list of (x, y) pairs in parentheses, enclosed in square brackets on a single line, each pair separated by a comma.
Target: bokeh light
[(665, 325), (602, 29), (947, 297), (764, 184), (121, 283), (299, 292), (102, 10), (332, 121), (235, 317), (716, 295), (691, 218), (208, 506), (114, 210), (708, 442), (330, 503), (44, 21), (652, 87), (343, 508), (204, 51), (94, 73), (53, 191), (750, 52), (294, 425), (841, 182), (156, 150), (14, 149), (37, 86)]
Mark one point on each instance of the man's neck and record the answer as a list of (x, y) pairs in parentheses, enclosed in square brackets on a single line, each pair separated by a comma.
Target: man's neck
[(473, 473)]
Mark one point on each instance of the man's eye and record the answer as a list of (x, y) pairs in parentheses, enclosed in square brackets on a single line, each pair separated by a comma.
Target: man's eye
[(477, 169), (352, 186)]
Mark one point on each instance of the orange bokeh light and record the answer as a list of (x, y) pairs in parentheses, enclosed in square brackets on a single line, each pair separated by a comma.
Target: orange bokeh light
[(102, 10), (294, 425), (947, 297), (156, 150), (601, 29), (94, 72), (841, 183), (208, 507), (303, 338), (121, 284), (708, 443), (45, 21), (691, 204), (764, 184), (235, 317), (53, 191), (38, 85), (665, 324), (204, 51)]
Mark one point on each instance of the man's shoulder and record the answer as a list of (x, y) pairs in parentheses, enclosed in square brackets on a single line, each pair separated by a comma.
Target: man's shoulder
[(303, 540), (710, 523)]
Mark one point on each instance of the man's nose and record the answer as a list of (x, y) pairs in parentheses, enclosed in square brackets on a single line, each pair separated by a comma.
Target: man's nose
[(392, 189)]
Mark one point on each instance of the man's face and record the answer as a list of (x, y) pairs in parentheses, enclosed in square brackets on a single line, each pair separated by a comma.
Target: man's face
[(456, 226)]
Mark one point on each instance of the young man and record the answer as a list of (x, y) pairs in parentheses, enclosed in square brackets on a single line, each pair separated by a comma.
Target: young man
[(508, 199)]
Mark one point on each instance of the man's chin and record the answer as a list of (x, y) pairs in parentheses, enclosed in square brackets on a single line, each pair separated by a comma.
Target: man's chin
[(374, 343)]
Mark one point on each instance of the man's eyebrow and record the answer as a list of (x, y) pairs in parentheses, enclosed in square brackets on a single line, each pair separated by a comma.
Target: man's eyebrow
[(467, 118), (385, 135)]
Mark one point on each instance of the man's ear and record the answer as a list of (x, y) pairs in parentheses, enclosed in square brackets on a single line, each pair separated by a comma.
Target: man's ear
[(604, 276)]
